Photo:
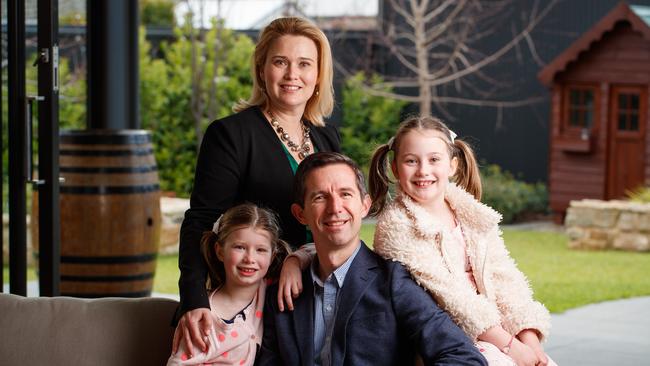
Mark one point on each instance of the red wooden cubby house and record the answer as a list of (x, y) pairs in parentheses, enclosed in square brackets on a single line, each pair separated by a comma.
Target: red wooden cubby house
[(600, 128)]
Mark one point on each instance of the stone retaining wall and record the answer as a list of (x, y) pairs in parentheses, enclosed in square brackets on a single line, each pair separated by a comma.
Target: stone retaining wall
[(173, 212), (595, 224)]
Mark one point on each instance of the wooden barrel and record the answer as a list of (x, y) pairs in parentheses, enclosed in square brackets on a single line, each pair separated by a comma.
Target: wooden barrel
[(110, 213)]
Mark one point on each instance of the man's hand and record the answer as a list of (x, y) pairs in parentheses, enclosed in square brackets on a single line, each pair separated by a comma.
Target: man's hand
[(193, 327)]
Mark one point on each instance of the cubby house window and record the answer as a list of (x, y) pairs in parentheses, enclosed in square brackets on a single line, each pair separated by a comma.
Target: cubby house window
[(580, 108), (628, 112)]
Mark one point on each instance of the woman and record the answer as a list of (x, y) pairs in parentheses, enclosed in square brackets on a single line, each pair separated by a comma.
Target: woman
[(251, 156)]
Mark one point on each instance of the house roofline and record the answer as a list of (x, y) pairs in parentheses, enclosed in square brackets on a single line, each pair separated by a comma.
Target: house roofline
[(620, 12)]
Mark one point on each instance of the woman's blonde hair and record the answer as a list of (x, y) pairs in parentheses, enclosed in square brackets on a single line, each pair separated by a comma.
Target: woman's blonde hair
[(321, 103), (243, 216), (467, 174)]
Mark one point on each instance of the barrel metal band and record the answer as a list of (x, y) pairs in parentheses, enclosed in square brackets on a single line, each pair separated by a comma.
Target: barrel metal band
[(137, 152), (108, 169), (116, 278), (122, 138), (110, 189), (140, 258)]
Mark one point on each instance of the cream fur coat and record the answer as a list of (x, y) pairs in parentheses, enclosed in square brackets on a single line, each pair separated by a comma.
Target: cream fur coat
[(407, 233)]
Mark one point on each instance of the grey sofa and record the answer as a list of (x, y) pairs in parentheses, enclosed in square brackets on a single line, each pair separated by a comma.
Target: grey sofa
[(73, 331)]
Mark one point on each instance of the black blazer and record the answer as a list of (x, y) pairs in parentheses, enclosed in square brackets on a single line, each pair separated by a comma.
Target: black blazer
[(383, 318), (241, 160)]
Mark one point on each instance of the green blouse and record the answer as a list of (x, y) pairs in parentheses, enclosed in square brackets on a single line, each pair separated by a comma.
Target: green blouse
[(294, 166)]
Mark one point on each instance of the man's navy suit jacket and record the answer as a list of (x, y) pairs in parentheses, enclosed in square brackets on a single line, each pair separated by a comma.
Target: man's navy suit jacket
[(383, 318)]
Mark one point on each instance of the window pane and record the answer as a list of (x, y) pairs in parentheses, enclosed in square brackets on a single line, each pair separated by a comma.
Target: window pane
[(588, 98), (634, 101), (622, 101), (588, 122), (575, 118), (622, 125), (581, 107), (634, 122), (575, 97)]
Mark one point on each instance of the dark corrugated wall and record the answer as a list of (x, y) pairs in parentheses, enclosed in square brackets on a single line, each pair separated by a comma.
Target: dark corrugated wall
[(517, 139)]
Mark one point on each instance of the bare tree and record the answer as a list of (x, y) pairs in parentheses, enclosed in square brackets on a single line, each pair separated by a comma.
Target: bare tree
[(440, 47)]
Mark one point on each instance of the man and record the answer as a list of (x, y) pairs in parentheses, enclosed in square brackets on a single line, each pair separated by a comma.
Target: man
[(356, 308)]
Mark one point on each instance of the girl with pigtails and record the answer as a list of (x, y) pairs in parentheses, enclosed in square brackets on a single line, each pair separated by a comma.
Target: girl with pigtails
[(242, 251), (439, 230)]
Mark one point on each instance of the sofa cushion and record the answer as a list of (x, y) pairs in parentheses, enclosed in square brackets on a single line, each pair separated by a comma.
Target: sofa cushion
[(74, 331)]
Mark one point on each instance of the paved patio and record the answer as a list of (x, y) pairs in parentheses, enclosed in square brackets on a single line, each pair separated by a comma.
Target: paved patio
[(609, 333)]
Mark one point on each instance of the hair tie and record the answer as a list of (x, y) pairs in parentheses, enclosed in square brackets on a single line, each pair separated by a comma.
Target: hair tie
[(215, 226), (452, 136), (390, 143)]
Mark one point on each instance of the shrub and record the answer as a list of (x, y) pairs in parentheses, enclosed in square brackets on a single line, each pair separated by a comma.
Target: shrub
[(511, 197), (166, 95), (367, 120), (157, 12), (640, 194)]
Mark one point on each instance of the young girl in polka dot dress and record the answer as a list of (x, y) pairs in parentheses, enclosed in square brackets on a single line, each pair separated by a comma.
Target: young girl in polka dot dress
[(241, 251)]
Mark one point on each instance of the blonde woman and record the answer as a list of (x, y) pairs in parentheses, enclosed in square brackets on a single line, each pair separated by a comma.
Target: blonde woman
[(252, 155)]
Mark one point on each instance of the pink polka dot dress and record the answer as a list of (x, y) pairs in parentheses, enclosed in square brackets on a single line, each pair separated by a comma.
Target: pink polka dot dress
[(233, 343)]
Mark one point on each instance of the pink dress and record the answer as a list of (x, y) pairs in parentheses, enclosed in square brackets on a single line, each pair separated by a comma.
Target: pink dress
[(454, 240), (233, 343)]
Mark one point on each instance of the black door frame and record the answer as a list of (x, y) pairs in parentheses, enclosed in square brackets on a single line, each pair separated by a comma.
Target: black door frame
[(49, 234), (20, 155), (17, 131)]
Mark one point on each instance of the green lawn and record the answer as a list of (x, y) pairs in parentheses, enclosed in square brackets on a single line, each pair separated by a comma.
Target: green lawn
[(562, 278), (166, 280), (167, 274)]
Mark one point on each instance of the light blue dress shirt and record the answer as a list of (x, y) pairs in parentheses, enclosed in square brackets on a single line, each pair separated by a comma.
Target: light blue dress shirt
[(325, 301)]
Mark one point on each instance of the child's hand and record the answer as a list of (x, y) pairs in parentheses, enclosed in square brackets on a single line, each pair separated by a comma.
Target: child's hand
[(193, 327), (290, 284), (522, 354), (529, 337)]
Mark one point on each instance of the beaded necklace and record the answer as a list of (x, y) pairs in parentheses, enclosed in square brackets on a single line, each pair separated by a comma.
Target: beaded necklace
[(303, 149)]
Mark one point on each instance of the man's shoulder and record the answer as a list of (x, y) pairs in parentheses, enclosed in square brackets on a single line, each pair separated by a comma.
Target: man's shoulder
[(398, 279), (391, 269), (398, 273)]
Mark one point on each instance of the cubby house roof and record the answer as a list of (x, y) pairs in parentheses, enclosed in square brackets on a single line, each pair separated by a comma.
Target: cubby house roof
[(637, 16)]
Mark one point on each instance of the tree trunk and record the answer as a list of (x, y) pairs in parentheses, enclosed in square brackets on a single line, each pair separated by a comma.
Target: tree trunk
[(421, 56)]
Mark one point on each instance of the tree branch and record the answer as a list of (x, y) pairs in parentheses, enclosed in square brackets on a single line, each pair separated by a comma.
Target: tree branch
[(403, 12), (495, 56)]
